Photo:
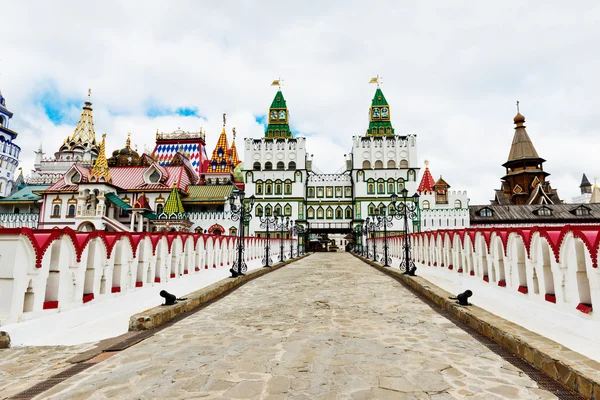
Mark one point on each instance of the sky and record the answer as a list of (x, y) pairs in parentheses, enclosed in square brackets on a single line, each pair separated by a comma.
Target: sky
[(452, 73)]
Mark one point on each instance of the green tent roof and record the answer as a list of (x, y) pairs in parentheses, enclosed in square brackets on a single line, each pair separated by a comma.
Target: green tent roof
[(173, 204)]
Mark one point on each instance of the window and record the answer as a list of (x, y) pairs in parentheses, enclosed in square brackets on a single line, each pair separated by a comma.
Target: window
[(411, 175), (154, 177), (339, 214), (287, 210), (403, 164), (268, 166), (400, 185), (371, 187), (159, 208), (292, 165), (378, 164), (425, 204), (311, 192), (268, 210), (256, 166), (56, 211), (582, 211), (280, 166), (278, 209), (320, 213), (338, 191), (391, 164), (288, 188), (544, 212), (320, 192), (232, 231), (329, 191), (16, 210), (348, 191), (269, 188), (485, 212), (380, 187), (258, 210), (391, 209), (259, 188), (278, 188), (457, 204), (329, 213), (391, 185), (366, 164), (371, 209), (311, 213), (71, 210), (348, 212)]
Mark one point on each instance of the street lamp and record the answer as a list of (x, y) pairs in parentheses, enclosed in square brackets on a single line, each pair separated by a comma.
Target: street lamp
[(243, 213), (385, 221), (407, 210), (282, 226), (298, 230), (267, 222)]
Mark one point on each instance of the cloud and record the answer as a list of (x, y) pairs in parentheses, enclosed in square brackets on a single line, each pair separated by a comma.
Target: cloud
[(452, 74)]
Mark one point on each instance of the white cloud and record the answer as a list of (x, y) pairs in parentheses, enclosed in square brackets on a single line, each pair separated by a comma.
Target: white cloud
[(452, 75)]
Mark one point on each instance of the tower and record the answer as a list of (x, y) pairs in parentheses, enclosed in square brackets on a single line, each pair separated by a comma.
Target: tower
[(525, 179), (380, 123), (81, 146), (9, 150), (585, 186), (278, 127)]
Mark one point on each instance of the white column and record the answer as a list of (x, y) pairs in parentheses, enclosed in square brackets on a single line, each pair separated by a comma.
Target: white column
[(132, 222), (140, 223)]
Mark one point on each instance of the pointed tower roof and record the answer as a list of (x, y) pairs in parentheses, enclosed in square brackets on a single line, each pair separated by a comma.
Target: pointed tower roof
[(427, 181), (584, 181), (441, 183), (522, 146), (142, 202), (233, 155), (84, 133), (220, 161), (173, 204), (278, 127), (595, 195), (101, 172), (379, 116)]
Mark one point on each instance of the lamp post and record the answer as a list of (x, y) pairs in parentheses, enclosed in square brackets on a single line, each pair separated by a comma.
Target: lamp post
[(405, 211), (298, 230), (282, 227), (385, 221), (267, 222), (370, 226), (358, 232), (243, 213)]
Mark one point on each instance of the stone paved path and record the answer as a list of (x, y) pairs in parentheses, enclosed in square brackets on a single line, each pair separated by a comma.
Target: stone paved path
[(326, 327)]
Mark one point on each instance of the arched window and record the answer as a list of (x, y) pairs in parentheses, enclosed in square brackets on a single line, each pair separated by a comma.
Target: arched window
[(348, 212), (278, 188), (268, 166), (411, 175), (278, 209), (371, 209), (457, 204), (391, 164), (287, 189), (380, 187), (256, 166), (269, 188), (425, 204), (320, 213), (366, 164), (56, 211), (259, 188), (258, 210), (280, 166), (292, 165), (287, 210), (403, 164), (329, 213), (400, 185), (391, 186), (371, 187), (339, 214), (378, 164), (268, 210), (71, 210), (311, 213)]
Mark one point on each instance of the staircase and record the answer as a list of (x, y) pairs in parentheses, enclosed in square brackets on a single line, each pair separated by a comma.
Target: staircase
[(115, 225)]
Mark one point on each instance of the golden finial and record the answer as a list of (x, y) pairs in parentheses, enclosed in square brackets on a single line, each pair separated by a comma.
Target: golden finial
[(277, 82), (224, 119), (378, 80), (128, 142)]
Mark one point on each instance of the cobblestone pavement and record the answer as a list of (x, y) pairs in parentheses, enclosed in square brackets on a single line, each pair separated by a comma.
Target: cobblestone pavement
[(326, 327), (24, 367)]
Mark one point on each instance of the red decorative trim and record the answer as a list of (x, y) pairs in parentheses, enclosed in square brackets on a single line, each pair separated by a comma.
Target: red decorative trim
[(460, 270), (48, 305), (550, 298), (88, 297), (486, 278), (523, 289), (155, 239), (115, 289), (172, 276), (197, 269), (502, 283), (584, 308), (185, 271), (472, 273), (156, 280)]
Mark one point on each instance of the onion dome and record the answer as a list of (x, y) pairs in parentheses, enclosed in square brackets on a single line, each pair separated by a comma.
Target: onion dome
[(125, 156), (519, 118)]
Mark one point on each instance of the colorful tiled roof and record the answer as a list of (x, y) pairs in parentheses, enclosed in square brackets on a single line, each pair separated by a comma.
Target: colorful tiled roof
[(101, 172), (173, 204), (220, 161), (189, 144), (208, 193), (379, 116), (427, 181), (84, 134), (278, 118)]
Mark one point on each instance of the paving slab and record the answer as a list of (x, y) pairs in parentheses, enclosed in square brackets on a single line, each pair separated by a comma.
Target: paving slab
[(326, 327)]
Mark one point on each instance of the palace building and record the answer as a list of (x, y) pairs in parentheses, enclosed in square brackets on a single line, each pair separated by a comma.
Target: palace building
[(9, 152)]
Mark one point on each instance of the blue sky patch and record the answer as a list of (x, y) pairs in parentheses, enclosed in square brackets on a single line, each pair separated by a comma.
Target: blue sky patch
[(156, 111), (261, 120), (58, 109)]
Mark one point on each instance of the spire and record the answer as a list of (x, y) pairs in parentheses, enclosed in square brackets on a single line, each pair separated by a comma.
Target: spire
[(586, 186), (427, 181), (101, 172), (173, 204), (522, 146), (220, 156), (595, 194), (379, 116), (128, 141), (278, 127), (84, 132), (233, 155)]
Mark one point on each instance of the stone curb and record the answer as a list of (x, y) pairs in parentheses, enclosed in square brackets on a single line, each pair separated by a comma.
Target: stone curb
[(4, 340), (160, 315), (568, 367)]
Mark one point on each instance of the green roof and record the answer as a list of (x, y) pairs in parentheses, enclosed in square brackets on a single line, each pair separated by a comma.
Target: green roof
[(25, 195), (173, 204), (208, 193), (278, 101), (279, 127), (379, 124), (379, 99), (117, 201)]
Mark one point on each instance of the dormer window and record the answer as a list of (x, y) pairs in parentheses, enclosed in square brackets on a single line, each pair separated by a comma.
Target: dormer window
[(154, 177), (544, 212), (486, 212), (581, 211)]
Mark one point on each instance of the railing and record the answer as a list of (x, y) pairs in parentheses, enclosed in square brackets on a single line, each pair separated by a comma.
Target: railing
[(25, 220)]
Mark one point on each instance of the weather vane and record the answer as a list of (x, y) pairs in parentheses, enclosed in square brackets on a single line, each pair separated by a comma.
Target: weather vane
[(378, 80), (233, 133), (224, 120), (518, 111), (277, 82)]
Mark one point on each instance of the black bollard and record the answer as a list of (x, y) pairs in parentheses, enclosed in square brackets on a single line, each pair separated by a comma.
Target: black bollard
[(170, 299)]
